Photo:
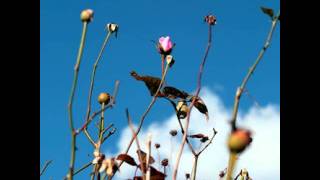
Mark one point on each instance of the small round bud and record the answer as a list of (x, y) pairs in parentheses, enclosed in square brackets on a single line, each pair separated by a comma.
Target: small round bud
[(86, 15), (173, 132), (170, 60), (244, 172), (104, 98), (157, 145), (112, 27), (165, 162), (239, 140), (187, 176), (182, 109)]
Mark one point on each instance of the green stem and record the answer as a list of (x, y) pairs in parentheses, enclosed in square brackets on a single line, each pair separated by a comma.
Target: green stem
[(251, 70), (45, 166), (74, 85)]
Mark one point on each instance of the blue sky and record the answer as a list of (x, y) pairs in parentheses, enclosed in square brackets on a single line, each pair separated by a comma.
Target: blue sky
[(237, 38)]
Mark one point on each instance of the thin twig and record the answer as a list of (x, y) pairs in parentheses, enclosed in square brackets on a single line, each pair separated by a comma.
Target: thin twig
[(45, 166), (74, 85), (243, 86), (109, 134), (207, 145), (110, 105), (146, 113), (137, 142), (92, 83), (250, 72), (175, 172)]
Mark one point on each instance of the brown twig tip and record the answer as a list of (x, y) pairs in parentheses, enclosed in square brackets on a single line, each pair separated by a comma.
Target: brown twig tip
[(210, 19)]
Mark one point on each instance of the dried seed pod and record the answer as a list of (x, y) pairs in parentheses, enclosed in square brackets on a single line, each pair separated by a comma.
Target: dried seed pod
[(187, 176), (210, 19), (157, 145), (86, 15), (182, 109), (165, 162), (104, 98), (173, 132), (112, 27)]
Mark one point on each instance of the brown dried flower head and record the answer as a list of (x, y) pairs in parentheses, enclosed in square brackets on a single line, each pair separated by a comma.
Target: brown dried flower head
[(165, 162), (210, 19), (86, 15), (157, 145), (104, 98), (173, 132)]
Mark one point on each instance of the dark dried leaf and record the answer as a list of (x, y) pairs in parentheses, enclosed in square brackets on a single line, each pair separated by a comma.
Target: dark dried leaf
[(173, 132), (173, 93), (268, 11), (200, 105), (126, 158), (151, 82), (204, 139), (197, 136), (137, 178), (144, 157)]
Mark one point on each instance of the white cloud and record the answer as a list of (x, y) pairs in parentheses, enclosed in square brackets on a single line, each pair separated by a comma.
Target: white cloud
[(261, 159)]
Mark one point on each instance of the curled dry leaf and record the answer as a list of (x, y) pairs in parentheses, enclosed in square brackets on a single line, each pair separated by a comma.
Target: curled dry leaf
[(154, 173), (126, 158), (144, 157), (151, 82), (204, 139), (173, 93), (200, 105), (268, 11), (197, 135)]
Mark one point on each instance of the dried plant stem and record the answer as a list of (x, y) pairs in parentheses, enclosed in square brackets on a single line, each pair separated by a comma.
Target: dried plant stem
[(74, 85), (148, 147), (92, 84), (83, 168), (146, 112), (184, 139), (194, 168), (137, 142), (240, 89), (45, 166)]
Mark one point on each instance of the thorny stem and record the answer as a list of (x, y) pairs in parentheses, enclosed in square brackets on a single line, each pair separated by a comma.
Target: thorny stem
[(244, 83), (45, 166), (184, 139), (146, 112), (92, 83), (74, 85)]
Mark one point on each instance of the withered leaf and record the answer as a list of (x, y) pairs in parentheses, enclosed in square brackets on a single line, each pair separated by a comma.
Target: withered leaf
[(151, 82), (200, 105), (197, 135), (204, 139), (154, 173), (173, 93), (137, 178), (268, 11), (144, 157), (126, 158)]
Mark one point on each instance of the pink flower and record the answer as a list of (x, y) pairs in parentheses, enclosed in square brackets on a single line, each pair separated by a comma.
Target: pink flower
[(165, 45)]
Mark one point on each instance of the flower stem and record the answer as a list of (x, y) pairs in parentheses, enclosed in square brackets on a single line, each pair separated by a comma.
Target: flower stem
[(231, 165), (194, 168), (74, 85)]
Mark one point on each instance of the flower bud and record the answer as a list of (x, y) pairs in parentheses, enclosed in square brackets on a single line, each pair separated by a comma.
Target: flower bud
[(104, 98), (239, 140), (86, 15), (210, 19), (182, 109), (112, 27), (170, 60), (165, 45)]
